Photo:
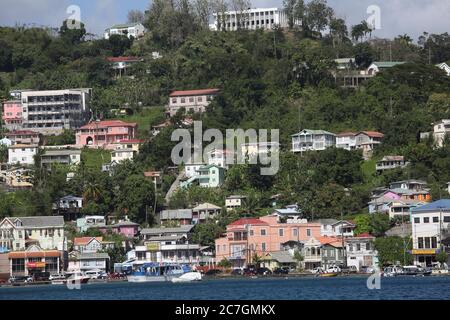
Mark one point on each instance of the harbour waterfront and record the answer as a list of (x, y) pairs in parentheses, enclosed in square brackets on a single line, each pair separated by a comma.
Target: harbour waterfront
[(339, 288)]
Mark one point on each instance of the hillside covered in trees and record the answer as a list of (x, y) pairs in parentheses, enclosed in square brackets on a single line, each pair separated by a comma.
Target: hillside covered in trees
[(278, 79)]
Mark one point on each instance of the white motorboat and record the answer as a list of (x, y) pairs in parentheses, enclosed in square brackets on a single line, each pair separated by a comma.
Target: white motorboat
[(155, 272), (188, 277)]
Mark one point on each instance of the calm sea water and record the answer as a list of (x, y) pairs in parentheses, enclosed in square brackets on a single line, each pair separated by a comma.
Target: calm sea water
[(340, 288)]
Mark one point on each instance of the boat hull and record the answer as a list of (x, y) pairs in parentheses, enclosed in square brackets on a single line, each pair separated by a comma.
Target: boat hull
[(144, 278)]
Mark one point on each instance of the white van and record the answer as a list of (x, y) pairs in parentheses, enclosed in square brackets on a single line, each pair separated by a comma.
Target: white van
[(96, 274)]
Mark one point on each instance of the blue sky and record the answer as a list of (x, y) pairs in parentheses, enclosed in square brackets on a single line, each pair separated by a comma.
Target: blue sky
[(397, 16)]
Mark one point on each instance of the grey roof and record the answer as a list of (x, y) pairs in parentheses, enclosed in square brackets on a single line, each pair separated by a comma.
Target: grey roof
[(125, 223), (166, 238), (410, 181), (282, 257), (287, 212), (408, 191), (176, 214), (156, 231), (41, 222), (93, 255), (325, 221), (206, 206), (70, 197), (61, 152), (387, 64), (236, 197)]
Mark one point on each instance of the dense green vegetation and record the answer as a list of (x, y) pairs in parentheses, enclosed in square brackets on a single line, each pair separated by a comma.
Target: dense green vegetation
[(276, 79)]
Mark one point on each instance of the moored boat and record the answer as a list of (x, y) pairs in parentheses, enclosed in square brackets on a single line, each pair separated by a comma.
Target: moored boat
[(157, 272), (188, 277)]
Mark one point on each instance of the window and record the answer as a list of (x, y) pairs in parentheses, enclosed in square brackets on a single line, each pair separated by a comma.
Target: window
[(251, 232), (350, 247), (18, 265), (183, 100), (368, 246), (435, 219), (199, 99), (263, 246), (191, 99), (358, 247), (447, 219), (416, 220), (308, 232), (263, 232), (427, 243), (295, 232), (420, 243), (426, 220), (281, 232), (433, 242)]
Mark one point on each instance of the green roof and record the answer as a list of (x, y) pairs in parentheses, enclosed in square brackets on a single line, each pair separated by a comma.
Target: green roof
[(387, 64), (314, 132), (123, 26)]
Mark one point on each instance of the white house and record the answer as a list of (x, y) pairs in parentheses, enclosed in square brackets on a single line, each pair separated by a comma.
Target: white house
[(346, 140), (444, 66), (120, 155), (234, 202), (361, 251), (430, 226), (367, 141), (378, 66), (219, 158), (47, 232), (254, 149), (22, 154), (391, 162), (251, 19), (135, 30), (440, 130), (191, 169), (5, 142), (335, 228), (316, 140)]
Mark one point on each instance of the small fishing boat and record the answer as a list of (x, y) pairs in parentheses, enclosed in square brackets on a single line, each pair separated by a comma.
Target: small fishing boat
[(392, 271), (326, 275), (188, 277), (157, 272), (71, 278)]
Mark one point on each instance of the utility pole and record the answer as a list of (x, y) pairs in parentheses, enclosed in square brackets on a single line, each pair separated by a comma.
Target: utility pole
[(344, 255)]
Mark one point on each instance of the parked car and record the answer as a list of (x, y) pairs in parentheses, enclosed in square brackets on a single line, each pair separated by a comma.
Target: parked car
[(41, 276), (249, 271), (237, 272), (20, 279), (333, 269), (263, 271), (213, 272), (366, 269), (317, 270), (283, 270), (348, 269)]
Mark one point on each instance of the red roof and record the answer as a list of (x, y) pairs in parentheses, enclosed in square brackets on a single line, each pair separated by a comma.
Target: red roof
[(250, 221), (123, 59), (373, 134), (194, 92), (152, 174), (364, 235), (108, 123), (85, 240), (22, 132), (346, 134)]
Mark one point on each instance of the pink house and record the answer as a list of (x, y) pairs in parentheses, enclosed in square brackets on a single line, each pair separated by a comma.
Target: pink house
[(126, 228), (12, 114), (105, 133), (248, 236)]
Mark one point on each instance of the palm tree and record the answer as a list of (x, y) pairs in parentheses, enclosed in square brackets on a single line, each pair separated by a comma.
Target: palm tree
[(92, 192)]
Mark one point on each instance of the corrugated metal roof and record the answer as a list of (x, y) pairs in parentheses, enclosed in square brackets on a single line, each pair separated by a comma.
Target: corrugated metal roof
[(443, 204)]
